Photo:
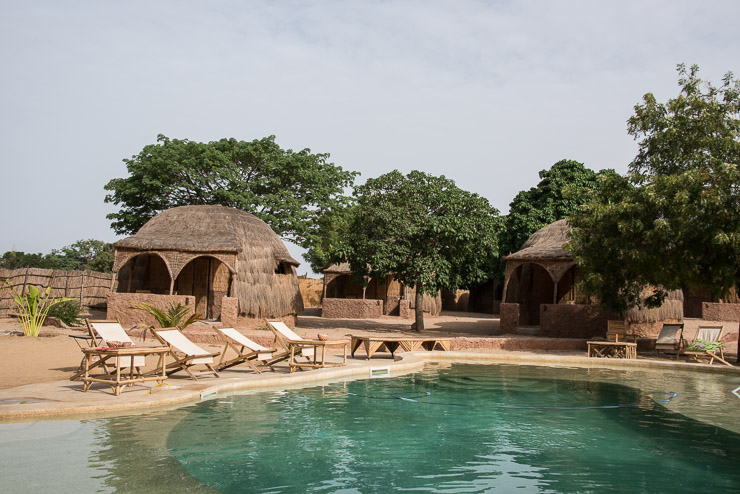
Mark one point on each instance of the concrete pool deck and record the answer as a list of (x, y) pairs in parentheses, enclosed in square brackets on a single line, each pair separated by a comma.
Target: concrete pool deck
[(65, 399)]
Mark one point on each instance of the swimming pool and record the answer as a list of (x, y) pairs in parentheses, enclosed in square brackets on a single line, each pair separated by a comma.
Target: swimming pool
[(458, 428)]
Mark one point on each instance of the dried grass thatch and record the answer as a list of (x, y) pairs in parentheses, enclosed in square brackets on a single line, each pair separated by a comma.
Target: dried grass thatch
[(672, 309), (545, 244), (217, 229)]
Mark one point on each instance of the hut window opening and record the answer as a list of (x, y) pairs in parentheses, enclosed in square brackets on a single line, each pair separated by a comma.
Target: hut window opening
[(145, 273), (282, 268)]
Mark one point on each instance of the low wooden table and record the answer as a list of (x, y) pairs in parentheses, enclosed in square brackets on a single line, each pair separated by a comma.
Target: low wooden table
[(315, 344), (612, 349), (118, 379), (392, 343)]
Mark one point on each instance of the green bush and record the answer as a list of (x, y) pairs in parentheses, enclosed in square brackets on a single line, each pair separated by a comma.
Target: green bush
[(68, 312)]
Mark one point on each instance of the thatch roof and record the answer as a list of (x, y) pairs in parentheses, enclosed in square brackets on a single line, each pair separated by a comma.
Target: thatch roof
[(342, 268), (545, 244), (206, 229)]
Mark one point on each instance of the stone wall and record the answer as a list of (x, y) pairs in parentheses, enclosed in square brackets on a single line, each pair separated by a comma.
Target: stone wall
[(574, 320), (509, 316), (720, 312), (404, 310), (119, 307), (346, 308)]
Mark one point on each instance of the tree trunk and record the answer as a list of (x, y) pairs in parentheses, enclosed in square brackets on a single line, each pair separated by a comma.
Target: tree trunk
[(419, 311)]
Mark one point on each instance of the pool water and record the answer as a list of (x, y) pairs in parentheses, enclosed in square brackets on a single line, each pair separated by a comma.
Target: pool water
[(460, 428)]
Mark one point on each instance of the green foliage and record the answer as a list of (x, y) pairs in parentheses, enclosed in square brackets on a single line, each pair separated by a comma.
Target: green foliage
[(68, 312), (423, 230), (172, 317), (562, 190), (709, 346), (95, 255), (286, 189), (31, 308), (331, 245), (674, 223)]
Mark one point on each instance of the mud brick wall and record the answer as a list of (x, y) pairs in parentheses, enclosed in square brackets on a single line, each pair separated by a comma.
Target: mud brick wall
[(404, 310), (346, 308), (720, 312), (509, 314), (574, 320), (119, 307)]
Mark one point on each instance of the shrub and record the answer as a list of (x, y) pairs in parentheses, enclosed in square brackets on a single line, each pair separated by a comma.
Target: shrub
[(68, 312)]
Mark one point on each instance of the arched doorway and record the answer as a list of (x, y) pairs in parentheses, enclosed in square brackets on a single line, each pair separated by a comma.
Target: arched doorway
[(209, 281), (530, 285), (343, 287), (145, 273)]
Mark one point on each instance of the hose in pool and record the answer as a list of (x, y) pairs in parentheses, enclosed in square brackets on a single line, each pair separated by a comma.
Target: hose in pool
[(415, 399)]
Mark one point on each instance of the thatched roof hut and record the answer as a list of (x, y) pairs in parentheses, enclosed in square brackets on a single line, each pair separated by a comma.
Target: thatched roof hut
[(211, 252), (546, 244)]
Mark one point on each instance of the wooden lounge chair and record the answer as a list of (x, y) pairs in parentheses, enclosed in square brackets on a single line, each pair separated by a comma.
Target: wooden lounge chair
[(104, 333), (700, 349), (293, 343), (670, 339), (247, 352), (186, 353), (617, 331)]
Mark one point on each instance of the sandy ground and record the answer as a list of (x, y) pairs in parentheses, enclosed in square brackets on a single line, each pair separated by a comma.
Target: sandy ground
[(54, 356)]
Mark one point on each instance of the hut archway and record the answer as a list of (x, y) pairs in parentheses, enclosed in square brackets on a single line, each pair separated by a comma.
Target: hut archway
[(144, 273), (209, 281), (530, 285), (567, 287), (342, 286)]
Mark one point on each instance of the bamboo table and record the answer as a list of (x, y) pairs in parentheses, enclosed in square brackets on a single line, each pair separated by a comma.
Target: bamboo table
[(315, 344), (118, 379), (612, 349), (392, 343)]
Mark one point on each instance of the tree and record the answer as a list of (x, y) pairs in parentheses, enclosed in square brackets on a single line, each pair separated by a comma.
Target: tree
[(95, 255), (562, 189), (674, 222), (286, 189), (425, 231)]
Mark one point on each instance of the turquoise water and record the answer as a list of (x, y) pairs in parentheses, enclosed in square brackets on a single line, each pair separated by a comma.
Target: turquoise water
[(464, 428)]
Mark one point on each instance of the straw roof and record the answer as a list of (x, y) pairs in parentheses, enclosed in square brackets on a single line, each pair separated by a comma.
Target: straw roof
[(545, 244), (342, 268), (206, 229)]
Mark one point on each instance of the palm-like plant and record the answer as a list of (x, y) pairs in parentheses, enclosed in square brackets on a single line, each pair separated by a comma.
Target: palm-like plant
[(172, 317)]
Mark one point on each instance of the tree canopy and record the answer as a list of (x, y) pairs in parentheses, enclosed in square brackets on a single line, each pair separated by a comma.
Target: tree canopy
[(674, 222), (424, 230), (562, 189), (95, 255), (286, 189)]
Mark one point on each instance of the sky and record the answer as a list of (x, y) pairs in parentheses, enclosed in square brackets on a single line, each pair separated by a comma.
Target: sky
[(487, 93)]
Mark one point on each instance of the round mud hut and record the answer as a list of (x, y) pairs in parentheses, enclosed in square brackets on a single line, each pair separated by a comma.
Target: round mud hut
[(227, 263)]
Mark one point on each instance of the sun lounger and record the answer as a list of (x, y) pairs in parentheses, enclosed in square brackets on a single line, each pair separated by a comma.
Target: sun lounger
[(670, 339), (110, 334), (706, 345), (293, 343), (247, 352), (186, 353)]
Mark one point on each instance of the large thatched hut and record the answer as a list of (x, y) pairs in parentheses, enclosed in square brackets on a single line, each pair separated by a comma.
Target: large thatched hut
[(540, 291), (227, 262)]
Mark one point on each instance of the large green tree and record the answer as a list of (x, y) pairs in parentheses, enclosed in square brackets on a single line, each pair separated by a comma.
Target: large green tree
[(286, 189), (425, 231), (674, 222), (562, 189)]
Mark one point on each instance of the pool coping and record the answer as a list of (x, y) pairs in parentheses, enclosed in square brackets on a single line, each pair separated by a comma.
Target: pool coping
[(103, 404)]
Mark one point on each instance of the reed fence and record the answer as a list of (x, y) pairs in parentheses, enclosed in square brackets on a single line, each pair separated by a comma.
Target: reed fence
[(89, 288)]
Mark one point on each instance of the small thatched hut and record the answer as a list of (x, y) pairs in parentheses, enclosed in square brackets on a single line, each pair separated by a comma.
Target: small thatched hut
[(339, 285), (224, 258), (541, 290)]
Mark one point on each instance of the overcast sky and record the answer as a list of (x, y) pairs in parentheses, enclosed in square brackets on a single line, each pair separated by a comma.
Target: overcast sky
[(487, 93)]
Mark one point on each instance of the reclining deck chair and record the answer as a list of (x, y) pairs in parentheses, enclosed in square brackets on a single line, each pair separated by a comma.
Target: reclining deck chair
[(670, 339), (247, 351), (289, 340), (186, 353), (706, 345), (109, 333)]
